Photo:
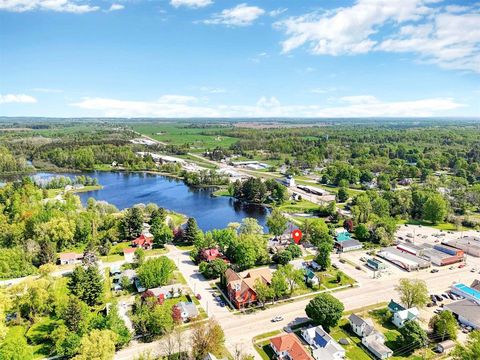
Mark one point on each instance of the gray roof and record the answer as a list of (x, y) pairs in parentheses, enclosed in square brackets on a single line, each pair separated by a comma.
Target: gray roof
[(467, 309), (378, 348), (349, 243), (358, 321)]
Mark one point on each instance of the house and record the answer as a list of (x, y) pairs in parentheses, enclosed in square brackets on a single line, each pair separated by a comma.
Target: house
[(209, 255), (188, 310), (394, 306), (139, 285), (466, 311), (311, 278), (143, 241), (241, 290), (360, 326), (375, 343), (401, 317), (324, 346), (69, 258), (445, 346), (289, 347), (129, 255), (164, 292)]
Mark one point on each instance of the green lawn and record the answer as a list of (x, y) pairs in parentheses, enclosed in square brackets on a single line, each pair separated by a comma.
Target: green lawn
[(302, 206), (179, 134), (442, 226), (354, 349)]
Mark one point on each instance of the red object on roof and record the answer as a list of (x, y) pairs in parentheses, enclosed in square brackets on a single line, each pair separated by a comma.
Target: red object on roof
[(129, 250), (291, 344), (143, 241), (210, 254)]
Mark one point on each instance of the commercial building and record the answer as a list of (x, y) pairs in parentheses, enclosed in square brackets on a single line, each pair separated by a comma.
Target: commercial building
[(442, 255), (410, 248), (466, 311), (403, 259), (344, 242), (376, 264), (469, 244), (466, 291)]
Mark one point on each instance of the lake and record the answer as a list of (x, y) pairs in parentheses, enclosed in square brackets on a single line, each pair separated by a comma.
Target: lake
[(124, 190)]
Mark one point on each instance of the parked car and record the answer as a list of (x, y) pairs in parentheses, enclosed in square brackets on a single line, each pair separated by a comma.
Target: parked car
[(445, 296), (434, 270), (431, 304), (439, 298), (363, 258), (451, 296), (198, 296), (461, 266), (277, 318)]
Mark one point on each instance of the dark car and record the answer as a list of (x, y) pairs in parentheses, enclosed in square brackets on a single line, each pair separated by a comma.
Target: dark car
[(434, 270), (445, 296), (438, 297)]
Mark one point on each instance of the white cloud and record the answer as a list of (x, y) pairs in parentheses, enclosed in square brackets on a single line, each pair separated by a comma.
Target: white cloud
[(277, 12), (451, 40), (176, 106), (448, 36), (47, 90), (191, 3), (116, 7), (17, 98), (212, 90), (70, 6), (240, 15)]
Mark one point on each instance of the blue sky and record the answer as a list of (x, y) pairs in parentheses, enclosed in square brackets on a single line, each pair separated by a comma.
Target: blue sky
[(216, 58)]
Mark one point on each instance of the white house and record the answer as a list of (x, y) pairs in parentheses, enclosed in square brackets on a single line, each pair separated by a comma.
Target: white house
[(360, 326), (375, 343), (402, 316), (324, 346), (129, 255), (69, 258)]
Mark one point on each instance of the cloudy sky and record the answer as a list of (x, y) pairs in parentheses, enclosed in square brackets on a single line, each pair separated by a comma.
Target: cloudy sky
[(221, 58)]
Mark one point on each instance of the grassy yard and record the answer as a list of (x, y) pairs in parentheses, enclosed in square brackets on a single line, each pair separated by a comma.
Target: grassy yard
[(442, 226), (302, 206), (354, 349), (264, 350)]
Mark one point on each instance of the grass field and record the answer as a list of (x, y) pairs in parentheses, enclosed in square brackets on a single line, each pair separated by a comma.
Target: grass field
[(302, 206), (179, 134)]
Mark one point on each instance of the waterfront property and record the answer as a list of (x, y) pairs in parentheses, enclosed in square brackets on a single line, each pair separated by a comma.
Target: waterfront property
[(143, 241)]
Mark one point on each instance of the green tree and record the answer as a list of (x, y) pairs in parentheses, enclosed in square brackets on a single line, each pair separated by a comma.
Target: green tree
[(192, 232), (87, 284), (213, 269), (277, 223), (295, 250), (67, 343), (413, 292), (362, 233), (279, 285), (435, 209), (250, 226), (444, 325), (342, 195), (325, 310), (413, 336), (75, 315), (469, 351), (316, 232), (15, 348), (323, 255), (156, 272), (264, 292), (115, 323), (282, 257), (162, 234), (131, 224), (294, 277), (151, 319), (98, 345), (139, 256), (248, 251)]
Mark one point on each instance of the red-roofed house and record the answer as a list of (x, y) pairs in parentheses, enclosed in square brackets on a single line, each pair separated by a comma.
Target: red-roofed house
[(241, 291), (143, 241), (69, 258), (129, 254), (289, 347), (209, 255)]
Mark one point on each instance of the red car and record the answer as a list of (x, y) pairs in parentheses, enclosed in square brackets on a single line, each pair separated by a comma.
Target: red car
[(198, 296), (461, 266)]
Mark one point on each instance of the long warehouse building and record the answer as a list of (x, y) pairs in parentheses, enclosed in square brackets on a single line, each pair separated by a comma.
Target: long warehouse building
[(469, 244), (403, 259)]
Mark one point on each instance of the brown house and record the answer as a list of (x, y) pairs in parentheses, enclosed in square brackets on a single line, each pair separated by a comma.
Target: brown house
[(241, 290)]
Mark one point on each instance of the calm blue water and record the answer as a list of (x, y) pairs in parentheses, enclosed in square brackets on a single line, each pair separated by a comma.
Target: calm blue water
[(127, 189)]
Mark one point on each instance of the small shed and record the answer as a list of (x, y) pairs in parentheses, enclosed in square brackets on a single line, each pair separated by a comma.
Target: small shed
[(445, 346)]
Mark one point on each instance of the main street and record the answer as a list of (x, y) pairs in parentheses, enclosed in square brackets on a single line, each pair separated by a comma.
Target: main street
[(241, 328)]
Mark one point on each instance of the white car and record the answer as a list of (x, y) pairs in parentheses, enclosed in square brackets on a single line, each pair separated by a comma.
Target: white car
[(277, 319)]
